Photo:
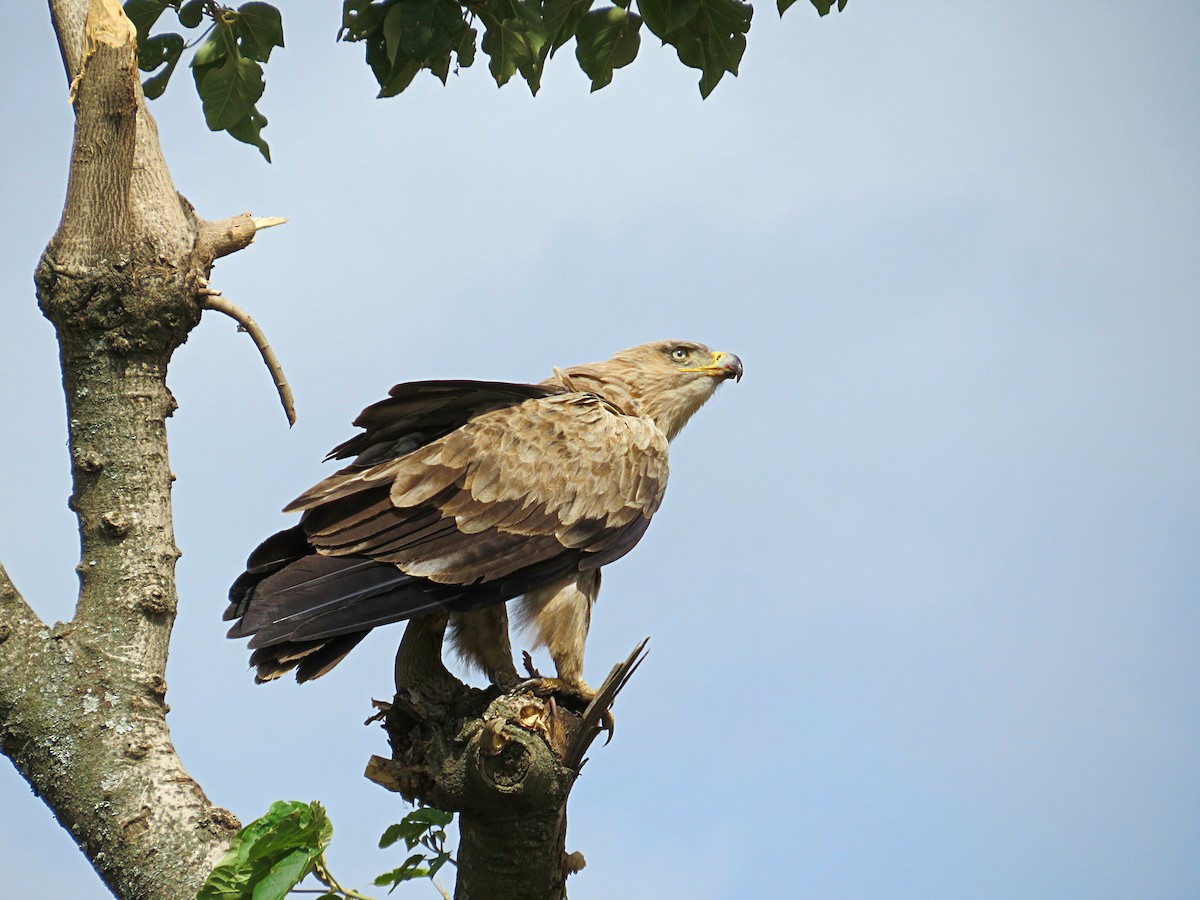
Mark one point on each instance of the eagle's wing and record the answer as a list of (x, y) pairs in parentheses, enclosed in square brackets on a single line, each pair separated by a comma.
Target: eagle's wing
[(526, 490), (566, 474), (418, 412)]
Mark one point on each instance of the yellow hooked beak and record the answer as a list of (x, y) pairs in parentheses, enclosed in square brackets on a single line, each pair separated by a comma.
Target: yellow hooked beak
[(724, 365)]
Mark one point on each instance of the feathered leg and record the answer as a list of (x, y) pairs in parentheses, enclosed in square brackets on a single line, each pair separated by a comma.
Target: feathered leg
[(559, 616), (481, 639)]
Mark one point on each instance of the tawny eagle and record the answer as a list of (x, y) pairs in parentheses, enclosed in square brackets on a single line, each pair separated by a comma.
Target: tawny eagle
[(463, 495)]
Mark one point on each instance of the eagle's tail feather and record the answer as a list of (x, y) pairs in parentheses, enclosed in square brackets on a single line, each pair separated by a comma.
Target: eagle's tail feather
[(310, 659), (305, 611)]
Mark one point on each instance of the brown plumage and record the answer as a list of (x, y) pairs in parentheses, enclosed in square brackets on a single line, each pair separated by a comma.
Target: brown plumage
[(463, 495)]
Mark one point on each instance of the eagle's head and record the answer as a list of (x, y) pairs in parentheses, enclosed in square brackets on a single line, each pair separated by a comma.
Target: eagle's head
[(667, 381)]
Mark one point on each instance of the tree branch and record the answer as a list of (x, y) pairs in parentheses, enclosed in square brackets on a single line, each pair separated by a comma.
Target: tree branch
[(225, 236), (119, 179), (69, 17), (598, 711), (18, 624), (15, 613), (246, 323)]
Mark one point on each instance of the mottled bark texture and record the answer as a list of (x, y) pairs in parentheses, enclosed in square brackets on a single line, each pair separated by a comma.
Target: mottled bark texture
[(83, 704), (505, 762)]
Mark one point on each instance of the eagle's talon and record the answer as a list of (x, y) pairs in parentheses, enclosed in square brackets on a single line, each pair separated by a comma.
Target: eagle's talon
[(530, 668)]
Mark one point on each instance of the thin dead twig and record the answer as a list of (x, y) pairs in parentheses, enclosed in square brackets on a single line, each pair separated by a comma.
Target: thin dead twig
[(215, 301)]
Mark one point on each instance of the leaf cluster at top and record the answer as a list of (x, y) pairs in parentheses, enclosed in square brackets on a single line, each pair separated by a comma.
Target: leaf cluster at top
[(404, 37), (227, 63)]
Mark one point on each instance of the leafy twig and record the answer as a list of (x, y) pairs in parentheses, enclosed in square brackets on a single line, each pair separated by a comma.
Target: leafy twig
[(323, 875)]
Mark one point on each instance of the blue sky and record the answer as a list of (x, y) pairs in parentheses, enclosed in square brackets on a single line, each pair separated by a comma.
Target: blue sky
[(924, 596)]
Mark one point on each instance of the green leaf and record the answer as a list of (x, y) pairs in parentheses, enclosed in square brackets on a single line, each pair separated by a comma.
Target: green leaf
[(412, 868), (665, 16), (560, 19), (259, 28), (440, 860), (422, 28), (415, 825), (162, 48), (271, 855), (404, 36), (283, 876), (823, 7), (229, 91), (360, 18), (529, 12), (209, 53), (154, 86), (713, 41), (143, 14), (393, 29), (395, 833), (507, 44), (439, 66), (430, 815), (377, 58), (465, 51), (607, 39), (249, 131), (191, 14), (400, 78)]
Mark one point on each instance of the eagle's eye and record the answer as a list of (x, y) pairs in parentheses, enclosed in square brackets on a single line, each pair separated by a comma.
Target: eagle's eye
[(679, 354)]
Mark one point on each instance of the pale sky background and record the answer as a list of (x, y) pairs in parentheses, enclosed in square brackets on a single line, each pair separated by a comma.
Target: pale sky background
[(924, 596)]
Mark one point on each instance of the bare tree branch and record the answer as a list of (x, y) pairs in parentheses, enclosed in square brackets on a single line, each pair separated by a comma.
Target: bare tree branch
[(69, 17), (14, 611), (225, 236), (246, 323), (598, 711)]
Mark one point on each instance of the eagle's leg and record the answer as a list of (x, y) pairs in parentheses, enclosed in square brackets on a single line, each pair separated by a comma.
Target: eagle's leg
[(559, 616), (481, 639)]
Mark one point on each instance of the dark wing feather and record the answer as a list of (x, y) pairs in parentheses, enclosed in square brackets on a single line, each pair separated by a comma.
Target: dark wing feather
[(310, 659), (419, 412)]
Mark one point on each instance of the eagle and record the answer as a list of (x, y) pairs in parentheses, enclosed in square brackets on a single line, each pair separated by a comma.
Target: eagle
[(463, 495)]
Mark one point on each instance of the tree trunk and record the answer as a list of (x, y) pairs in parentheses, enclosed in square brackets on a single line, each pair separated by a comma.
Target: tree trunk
[(506, 762), (82, 704)]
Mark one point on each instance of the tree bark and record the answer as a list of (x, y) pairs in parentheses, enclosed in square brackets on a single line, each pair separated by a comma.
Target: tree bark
[(505, 762), (82, 704)]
